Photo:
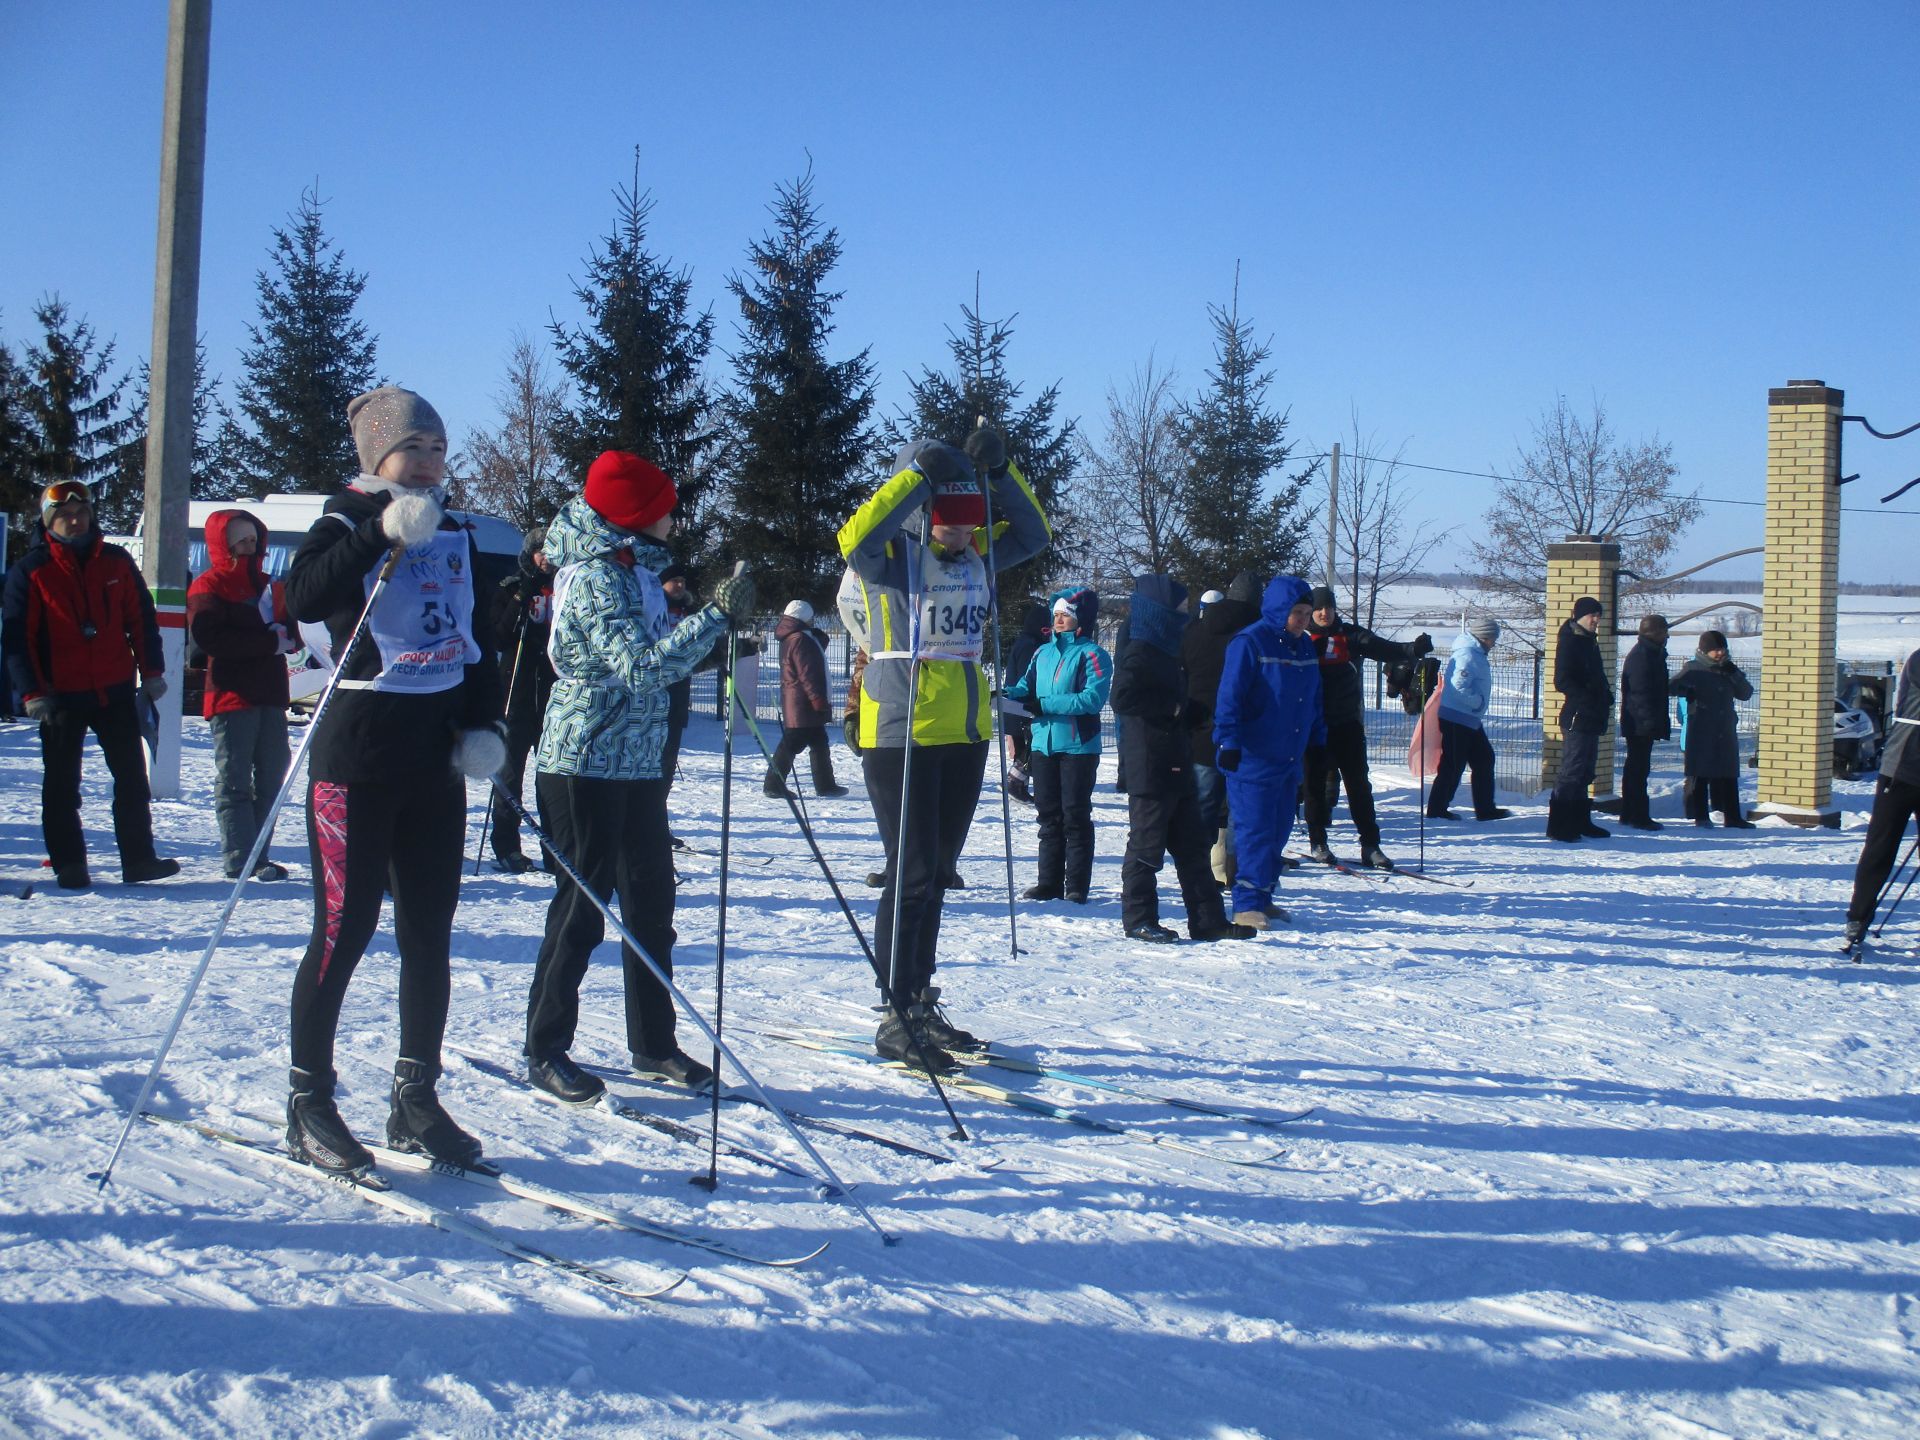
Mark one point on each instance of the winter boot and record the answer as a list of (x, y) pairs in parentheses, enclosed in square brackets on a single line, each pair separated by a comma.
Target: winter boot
[(1041, 892), (942, 1031), (909, 1043), (316, 1135), (1225, 930), (513, 862), (1376, 859), (138, 872), (1251, 919), (1153, 934), (876, 878), (1319, 851), (676, 1067), (416, 1123), (774, 787), (73, 877), (830, 791)]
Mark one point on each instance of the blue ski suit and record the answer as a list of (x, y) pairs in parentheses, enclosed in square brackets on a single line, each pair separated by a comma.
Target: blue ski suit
[(1269, 711)]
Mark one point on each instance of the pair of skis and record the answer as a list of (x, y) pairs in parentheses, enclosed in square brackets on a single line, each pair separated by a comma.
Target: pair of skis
[(1370, 872), (378, 1190)]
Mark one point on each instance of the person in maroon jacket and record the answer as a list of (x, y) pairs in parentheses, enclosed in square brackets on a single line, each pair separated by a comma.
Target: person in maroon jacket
[(806, 704), (80, 634), (238, 620)]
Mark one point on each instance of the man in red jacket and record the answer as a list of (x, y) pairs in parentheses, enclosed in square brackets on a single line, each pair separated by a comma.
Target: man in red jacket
[(80, 635)]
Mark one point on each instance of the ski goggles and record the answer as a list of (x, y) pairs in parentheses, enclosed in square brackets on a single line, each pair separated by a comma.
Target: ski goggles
[(63, 492)]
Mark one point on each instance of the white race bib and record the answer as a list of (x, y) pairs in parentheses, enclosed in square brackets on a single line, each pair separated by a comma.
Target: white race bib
[(423, 625), (953, 611)]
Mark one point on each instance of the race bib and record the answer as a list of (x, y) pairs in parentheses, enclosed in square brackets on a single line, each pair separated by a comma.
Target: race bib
[(423, 625), (953, 611)]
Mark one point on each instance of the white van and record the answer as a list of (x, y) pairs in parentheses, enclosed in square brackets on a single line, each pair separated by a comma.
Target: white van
[(496, 546)]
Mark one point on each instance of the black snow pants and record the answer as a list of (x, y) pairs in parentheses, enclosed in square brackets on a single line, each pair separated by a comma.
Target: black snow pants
[(1168, 819), (1342, 758)]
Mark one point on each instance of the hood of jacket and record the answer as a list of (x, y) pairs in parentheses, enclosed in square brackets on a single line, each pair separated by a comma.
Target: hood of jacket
[(233, 577), (1036, 620), (1227, 618), (1156, 619), (1464, 645), (789, 625), (1283, 593), (577, 534)]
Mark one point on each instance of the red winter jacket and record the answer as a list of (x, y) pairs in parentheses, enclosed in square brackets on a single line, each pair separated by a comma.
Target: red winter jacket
[(80, 627), (804, 700), (229, 613)]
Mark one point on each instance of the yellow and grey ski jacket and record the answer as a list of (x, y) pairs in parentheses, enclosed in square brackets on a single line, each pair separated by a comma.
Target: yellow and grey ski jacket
[(904, 598)]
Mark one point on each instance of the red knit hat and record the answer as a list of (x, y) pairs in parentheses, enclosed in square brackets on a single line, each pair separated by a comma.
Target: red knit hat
[(628, 492)]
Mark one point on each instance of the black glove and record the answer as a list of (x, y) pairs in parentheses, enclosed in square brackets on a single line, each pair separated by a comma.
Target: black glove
[(1032, 706), (987, 448), (1422, 644), (941, 464), (1229, 760)]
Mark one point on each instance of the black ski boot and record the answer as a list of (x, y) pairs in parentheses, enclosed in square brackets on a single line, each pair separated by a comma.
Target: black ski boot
[(912, 1047), (940, 1030), (316, 1135), (417, 1125)]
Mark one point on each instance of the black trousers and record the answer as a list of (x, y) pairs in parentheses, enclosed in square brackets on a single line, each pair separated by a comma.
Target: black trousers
[(522, 736), (1634, 804), (1702, 794), (1570, 810), (1895, 802), (615, 834), (812, 739), (362, 841), (1168, 818), (1063, 800), (945, 787), (1342, 758), (63, 740), (1462, 746)]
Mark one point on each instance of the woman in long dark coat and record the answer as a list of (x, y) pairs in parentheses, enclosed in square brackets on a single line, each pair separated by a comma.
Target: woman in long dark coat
[(1710, 683)]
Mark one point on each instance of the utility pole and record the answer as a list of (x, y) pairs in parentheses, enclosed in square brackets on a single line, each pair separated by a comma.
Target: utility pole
[(1333, 520), (176, 323)]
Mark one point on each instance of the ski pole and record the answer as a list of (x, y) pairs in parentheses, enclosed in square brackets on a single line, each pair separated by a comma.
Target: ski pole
[(513, 679), (711, 1180), (1421, 722), (834, 1184), (260, 843), (794, 803), (995, 724), (1903, 889)]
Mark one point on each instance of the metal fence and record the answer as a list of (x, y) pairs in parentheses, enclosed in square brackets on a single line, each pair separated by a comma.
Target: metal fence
[(1522, 684)]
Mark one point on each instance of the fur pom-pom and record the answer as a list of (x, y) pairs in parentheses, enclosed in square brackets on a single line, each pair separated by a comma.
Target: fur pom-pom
[(410, 518), (478, 754)]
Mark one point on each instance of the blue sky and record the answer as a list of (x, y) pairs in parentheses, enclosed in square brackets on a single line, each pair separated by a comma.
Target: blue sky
[(1444, 214)]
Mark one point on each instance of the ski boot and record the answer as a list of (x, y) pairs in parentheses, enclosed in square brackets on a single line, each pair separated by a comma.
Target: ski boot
[(1376, 859), (1856, 940), (316, 1135), (942, 1031), (417, 1125), (908, 1042), (675, 1067), (1319, 851), (565, 1081)]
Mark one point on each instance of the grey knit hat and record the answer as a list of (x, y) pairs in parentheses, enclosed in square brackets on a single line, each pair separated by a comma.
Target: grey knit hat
[(383, 419), (1485, 629)]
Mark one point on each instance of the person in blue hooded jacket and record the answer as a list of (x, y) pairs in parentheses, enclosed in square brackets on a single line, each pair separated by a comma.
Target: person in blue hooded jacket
[(1267, 714), (1065, 689), (1466, 689)]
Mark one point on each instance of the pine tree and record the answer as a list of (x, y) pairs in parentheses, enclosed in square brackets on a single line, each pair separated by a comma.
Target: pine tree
[(1234, 442), (946, 407), (309, 358), (71, 410), (636, 366), (209, 476), (17, 487), (797, 465)]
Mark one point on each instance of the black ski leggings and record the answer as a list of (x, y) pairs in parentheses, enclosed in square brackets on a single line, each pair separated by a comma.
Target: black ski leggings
[(615, 834), (945, 781), (363, 839), (1895, 802), (1343, 757)]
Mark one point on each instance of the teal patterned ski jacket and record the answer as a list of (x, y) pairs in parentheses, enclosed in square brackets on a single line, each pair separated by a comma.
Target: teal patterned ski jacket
[(614, 650)]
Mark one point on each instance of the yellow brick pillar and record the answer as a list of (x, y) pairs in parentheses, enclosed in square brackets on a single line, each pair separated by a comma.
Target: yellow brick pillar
[(1580, 566), (1800, 584)]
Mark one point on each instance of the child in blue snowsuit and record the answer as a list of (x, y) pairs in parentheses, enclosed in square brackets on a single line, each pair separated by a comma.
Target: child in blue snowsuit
[(1266, 716)]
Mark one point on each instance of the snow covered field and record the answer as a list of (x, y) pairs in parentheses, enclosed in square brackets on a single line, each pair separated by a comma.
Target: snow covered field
[(1610, 1144)]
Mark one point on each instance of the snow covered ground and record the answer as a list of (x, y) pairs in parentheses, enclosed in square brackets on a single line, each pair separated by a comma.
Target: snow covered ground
[(1610, 1144)]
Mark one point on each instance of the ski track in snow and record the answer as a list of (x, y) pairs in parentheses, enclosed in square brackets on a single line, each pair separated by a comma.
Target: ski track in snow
[(1613, 1144)]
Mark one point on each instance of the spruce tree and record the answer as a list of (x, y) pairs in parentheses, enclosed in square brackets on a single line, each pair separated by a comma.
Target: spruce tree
[(636, 366), (71, 410), (1234, 442), (309, 357), (947, 406), (797, 465), (17, 496)]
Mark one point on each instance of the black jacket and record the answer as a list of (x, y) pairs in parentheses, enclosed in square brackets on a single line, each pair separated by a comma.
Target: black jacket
[(1341, 648), (1581, 675), (1643, 693), (1203, 649), (522, 621), (1710, 690), (1901, 759), (1150, 689), (373, 735)]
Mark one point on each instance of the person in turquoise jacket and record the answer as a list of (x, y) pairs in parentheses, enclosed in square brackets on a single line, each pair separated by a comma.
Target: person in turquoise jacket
[(600, 781), (1064, 690), (1466, 689), (1267, 714)]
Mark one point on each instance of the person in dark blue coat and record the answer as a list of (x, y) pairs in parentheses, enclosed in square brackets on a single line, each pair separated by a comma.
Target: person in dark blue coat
[(1266, 715), (1643, 719)]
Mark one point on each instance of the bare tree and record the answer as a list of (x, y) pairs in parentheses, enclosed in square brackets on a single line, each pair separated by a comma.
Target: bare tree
[(513, 469), (1580, 479), (1128, 494), (1373, 547)]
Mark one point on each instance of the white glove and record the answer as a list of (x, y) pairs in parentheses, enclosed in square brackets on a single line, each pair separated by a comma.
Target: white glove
[(410, 518), (477, 754), (153, 689)]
